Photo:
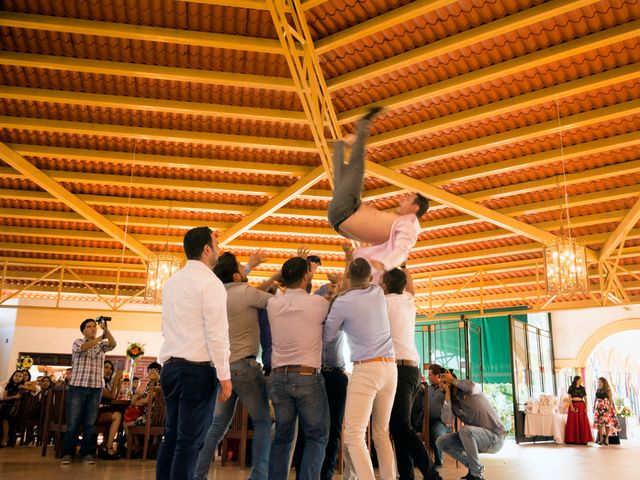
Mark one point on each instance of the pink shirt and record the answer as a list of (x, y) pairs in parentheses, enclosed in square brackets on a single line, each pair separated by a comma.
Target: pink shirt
[(393, 252)]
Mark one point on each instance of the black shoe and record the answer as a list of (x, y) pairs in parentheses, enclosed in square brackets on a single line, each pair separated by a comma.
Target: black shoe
[(373, 111), (433, 474), (473, 477), (467, 476)]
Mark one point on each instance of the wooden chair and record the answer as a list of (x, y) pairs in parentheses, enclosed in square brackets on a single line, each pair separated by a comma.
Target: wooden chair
[(238, 429), (155, 421), (28, 418), (55, 419)]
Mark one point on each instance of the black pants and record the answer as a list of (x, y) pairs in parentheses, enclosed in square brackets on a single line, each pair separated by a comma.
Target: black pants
[(335, 383), (410, 450)]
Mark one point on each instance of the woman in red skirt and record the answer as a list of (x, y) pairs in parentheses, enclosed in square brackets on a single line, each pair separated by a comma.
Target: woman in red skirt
[(578, 428)]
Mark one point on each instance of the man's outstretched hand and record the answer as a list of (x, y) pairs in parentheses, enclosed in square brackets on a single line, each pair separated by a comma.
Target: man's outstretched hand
[(303, 252)]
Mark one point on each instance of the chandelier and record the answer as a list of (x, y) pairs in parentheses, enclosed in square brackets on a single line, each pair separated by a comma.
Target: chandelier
[(565, 262), (565, 259), (159, 269)]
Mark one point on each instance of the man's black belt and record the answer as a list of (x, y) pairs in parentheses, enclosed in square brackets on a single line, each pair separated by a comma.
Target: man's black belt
[(184, 360), (326, 368)]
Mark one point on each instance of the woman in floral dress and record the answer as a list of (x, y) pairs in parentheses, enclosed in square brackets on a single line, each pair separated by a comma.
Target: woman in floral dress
[(604, 412)]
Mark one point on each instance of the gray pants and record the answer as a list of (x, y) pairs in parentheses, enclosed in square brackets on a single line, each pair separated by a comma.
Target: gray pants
[(465, 445), (348, 180)]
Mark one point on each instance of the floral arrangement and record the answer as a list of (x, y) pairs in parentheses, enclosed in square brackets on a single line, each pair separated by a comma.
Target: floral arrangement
[(624, 411), (135, 351), (25, 362)]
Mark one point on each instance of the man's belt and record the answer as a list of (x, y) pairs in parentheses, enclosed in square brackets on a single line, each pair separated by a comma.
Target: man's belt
[(375, 359), (326, 368), (407, 363), (302, 369), (184, 360)]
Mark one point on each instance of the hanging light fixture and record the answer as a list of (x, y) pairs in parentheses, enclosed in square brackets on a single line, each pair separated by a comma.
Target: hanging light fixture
[(565, 259), (160, 268)]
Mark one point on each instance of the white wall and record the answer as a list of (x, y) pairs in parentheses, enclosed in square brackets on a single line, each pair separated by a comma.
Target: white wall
[(7, 331), (572, 328)]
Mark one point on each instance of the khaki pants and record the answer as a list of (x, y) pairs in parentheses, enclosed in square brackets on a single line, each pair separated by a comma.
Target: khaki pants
[(371, 391)]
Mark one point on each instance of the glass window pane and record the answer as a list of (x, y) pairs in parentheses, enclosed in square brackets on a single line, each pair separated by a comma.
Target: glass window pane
[(547, 364), (520, 357), (539, 320), (534, 363)]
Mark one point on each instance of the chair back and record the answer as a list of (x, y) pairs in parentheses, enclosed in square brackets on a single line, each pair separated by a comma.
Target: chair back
[(156, 413)]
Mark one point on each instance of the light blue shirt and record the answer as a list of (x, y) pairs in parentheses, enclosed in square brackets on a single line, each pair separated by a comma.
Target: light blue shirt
[(362, 314)]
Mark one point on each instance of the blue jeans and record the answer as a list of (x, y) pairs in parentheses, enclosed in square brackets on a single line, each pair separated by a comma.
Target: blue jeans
[(190, 396), (465, 445), (304, 396), (250, 387), (82, 409), (436, 430)]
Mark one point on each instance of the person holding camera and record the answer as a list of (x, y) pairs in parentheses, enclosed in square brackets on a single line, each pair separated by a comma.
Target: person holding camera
[(482, 431), (85, 388)]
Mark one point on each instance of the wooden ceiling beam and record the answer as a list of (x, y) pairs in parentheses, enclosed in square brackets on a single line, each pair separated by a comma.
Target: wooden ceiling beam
[(50, 185), (621, 232), (155, 72), (379, 23), (509, 105), (174, 107), (248, 4), (162, 161), (157, 134), (139, 32), (495, 72)]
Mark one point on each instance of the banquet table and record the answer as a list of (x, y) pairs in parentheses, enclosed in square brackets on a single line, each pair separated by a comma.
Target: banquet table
[(546, 425)]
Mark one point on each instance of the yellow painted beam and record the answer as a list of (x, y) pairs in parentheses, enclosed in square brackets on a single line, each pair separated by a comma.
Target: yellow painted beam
[(169, 161), (272, 205), (139, 32), (479, 34), (249, 4), (551, 127), (379, 23), (309, 4), (463, 205), (520, 102), (503, 69), (159, 134), (157, 72), (620, 233), (152, 105), (147, 182), (54, 188)]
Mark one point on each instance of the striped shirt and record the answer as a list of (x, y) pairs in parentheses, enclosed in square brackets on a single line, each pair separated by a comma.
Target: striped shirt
[(88, 366)]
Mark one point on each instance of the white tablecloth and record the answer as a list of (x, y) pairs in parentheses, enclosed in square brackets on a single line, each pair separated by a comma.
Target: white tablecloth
[(545, 425)]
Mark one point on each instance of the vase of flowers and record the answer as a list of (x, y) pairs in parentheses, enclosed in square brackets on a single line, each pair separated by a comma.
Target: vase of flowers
[(623, 413), (135, 351), (25, 362)]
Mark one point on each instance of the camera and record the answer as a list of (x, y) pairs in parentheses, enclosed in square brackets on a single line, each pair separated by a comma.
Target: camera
[(102, 321)]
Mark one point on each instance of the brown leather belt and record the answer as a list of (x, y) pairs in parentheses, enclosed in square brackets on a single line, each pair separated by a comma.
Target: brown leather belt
[(406, 363), (301, 369), (375, 359)]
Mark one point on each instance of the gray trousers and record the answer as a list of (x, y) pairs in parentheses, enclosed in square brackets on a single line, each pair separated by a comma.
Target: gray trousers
[(348, 180)]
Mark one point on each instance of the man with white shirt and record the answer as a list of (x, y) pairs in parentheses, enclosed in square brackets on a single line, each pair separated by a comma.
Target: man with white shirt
[(298, 391), (390, 235), (362, 313), (410, 451), (195, 354)]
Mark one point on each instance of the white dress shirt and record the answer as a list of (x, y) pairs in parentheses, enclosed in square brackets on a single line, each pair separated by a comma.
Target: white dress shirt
[(402, 318), (194, 318), (393, 252), (296, 319)]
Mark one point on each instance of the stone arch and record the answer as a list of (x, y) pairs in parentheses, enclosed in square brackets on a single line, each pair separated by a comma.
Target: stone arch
[(599, 335)]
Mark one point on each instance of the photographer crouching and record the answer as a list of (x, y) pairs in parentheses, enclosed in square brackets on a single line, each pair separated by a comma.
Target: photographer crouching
[(85, 387), (482, 431)]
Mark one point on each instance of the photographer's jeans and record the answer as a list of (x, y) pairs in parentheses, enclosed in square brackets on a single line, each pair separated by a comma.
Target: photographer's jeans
[(82, 409), (250, 386), (465, 445), (189, 392)]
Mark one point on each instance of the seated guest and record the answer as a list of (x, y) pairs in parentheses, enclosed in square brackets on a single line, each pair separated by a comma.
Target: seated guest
[(135, 384), (45, 384), (437, 428), (33, 387), (482, 431), (107, 415), (298, 391), (9, 404), (135, 414), (125, 390)]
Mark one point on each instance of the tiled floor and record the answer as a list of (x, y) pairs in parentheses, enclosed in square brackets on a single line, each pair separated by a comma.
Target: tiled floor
[(514, 462)]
